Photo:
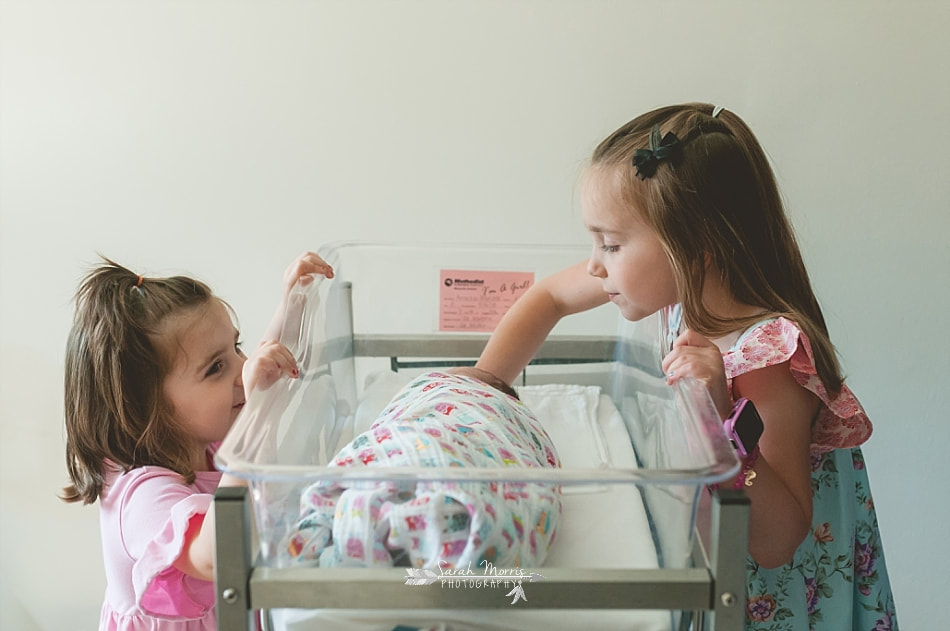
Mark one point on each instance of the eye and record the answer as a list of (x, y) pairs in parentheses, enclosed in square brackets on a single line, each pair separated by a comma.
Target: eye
[(609, 248), (215, 368)]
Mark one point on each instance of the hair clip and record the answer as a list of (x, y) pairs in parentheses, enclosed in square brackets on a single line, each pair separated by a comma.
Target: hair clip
[(667, 148), (137, 288)]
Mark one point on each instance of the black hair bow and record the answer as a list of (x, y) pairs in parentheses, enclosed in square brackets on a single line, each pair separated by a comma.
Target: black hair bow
[(646, 160)]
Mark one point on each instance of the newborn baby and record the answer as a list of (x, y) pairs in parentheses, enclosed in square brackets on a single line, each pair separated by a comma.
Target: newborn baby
[(461, 418)]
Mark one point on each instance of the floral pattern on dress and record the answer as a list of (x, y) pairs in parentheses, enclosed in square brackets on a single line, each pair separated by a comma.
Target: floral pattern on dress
[(842, 422), (838, 578)]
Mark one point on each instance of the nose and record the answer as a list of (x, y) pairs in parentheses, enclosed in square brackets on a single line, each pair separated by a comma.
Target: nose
[(239, 379), (594, 266)]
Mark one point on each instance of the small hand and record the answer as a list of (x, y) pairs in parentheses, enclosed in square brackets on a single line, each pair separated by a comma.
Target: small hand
[(268, 362), (303, 266), (695, 356)]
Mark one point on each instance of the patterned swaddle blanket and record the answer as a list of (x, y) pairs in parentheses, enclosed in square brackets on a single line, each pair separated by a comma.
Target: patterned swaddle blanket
[(437, 420)]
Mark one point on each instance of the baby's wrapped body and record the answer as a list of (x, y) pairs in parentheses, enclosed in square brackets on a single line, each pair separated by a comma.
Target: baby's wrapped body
[(438, 420)]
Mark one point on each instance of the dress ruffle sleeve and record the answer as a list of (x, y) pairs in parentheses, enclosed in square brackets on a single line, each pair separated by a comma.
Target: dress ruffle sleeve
[(162, 590), (842, 422)]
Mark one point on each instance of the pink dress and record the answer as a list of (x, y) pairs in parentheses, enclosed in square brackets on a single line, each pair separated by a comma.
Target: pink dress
[(144, 515)]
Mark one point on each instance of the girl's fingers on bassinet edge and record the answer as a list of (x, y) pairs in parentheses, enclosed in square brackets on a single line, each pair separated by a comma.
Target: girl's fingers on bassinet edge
[(695, 356), (303, 266), (266, 364)]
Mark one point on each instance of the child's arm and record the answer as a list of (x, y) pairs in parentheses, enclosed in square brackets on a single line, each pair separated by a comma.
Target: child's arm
[(197, 553), (268, 362), (781, 508), (528, 322), (302, 268)]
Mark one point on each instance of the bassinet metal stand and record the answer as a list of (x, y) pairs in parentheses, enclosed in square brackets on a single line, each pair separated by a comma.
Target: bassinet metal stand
[(713, 590)]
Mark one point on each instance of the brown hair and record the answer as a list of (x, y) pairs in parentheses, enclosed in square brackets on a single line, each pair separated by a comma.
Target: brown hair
[(719, 199), (116, 363)]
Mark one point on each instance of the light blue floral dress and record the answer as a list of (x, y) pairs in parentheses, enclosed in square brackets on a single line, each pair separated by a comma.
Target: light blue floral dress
[(837, 580)]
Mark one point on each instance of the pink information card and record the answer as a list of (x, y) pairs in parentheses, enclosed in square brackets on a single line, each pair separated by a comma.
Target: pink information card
[(474, 301)]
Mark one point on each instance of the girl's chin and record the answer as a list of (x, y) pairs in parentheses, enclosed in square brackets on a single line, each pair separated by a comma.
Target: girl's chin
[(632, 312)]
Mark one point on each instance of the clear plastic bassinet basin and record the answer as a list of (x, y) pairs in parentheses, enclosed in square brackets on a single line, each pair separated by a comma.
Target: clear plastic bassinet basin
[(632, 471)]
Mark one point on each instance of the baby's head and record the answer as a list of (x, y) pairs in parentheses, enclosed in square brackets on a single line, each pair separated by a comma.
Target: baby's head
[(130, 336), (485, 377), (710, 196)]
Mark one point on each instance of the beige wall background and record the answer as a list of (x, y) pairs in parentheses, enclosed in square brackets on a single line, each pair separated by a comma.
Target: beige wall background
[(221, 138)]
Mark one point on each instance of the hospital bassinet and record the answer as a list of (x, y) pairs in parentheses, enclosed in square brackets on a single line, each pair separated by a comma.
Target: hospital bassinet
[(635, 549)]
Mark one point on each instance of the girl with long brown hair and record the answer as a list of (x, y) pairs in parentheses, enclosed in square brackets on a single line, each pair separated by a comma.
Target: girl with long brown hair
[(684, 209)]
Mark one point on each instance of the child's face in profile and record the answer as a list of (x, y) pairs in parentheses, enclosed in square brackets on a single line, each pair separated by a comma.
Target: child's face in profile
[(204, 385), (627, 256)]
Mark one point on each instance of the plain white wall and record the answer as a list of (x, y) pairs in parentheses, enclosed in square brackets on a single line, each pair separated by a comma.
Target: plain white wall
[(221, 138)]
